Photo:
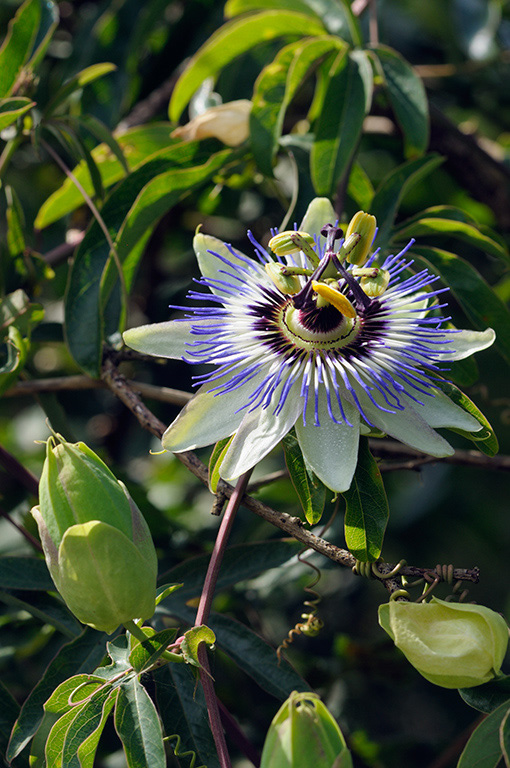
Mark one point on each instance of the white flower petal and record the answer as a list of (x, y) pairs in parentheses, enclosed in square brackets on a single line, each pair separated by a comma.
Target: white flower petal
[(406, 426), (466, 343), (208, 417), (210, 265), (258, 433), (161, 339), (319, 212), (331, 450), (440, 411)]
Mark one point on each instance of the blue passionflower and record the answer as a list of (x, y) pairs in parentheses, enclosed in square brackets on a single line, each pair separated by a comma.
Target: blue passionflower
[(317, 337)]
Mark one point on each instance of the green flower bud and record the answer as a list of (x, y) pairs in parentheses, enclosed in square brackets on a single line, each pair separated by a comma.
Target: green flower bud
[(285, 243), (304, 734), (287, 284), (96, 542), (454, 645), (375, 285), (364, 225)]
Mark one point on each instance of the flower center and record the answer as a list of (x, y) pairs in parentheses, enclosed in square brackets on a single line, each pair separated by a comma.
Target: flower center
[(318, 328)]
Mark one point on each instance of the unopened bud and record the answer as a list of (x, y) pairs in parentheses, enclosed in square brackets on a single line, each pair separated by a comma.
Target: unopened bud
[(364, 225), (287, 284), (375, 285)]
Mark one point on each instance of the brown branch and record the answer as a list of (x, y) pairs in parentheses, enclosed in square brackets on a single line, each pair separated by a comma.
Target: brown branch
[(389, 449), (291, 525)]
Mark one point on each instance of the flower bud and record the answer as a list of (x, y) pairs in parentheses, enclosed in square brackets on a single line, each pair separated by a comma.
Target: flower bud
[(302, 734), (97, 545), (290, 241), (287, 284), (229, 122), (375, 285), (455, 645), (364, 225)]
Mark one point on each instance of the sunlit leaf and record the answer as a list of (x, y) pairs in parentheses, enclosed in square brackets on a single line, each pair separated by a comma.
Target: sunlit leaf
[(80, 80), (138, 727), (192, 639), (144, 655), (11, 109), (18, 44), (310, 490)]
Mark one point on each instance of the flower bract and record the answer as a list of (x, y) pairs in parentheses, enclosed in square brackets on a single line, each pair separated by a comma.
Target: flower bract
[(329, 360)]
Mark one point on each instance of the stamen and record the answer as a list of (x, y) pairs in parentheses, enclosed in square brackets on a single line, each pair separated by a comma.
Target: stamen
[(334, 297)]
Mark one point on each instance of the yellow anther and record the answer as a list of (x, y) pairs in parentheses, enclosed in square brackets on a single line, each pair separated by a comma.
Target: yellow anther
[(335, 298), (287, 284), (375, 285), (364, 225), (290, 241)]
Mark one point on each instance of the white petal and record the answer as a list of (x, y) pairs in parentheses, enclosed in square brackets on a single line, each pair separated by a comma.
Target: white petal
[(440, 411), (331, 450), (319, 212), (208, 417), (258, 433), (465, 343), (406, 426), (210, 265), (161, 339)]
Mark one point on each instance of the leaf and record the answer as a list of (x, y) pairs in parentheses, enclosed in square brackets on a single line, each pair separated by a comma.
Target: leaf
[(217, 457), (192, 639), (230, 41), (360, 188), (11, 109), (144, 655), (367, 512), (24, 573), (79, 80), (391, 190), (485, 440), (82, 736), (166, 590), (504, 739), (340, 121), (15, 223), (48, 23), (408, 99), (489, 696), (81, 655), (474, 295), (129, 213), (18, 44), (183, 711), (137, 725), (311, 492), (45, 607), (483, 749), (9, 711), (275, 88), (137, 145)]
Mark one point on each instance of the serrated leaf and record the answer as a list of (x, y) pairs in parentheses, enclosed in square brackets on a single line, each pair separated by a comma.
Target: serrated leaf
[(81, 655), (25, 573), (192, 639), (483, 749), (489, 696), (274, 90), (230, 41), (11, 109), (408, 99), (137, 725), (310, 490), (144, 655), (474, 295), (367, 512), (391, 190), (79, 80), (485, 440), (217, 457), (340, 121), (18, 44)]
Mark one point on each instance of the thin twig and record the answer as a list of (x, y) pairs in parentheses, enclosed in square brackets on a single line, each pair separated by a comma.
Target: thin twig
[(27, 535), (14, 468), (212, 707)]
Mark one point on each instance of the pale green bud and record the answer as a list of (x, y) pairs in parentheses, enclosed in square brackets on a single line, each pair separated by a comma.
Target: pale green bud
[(364, 225), (290, 241), (287, 284), (455, 645), (96, 542), (303, 734), (374, 285)]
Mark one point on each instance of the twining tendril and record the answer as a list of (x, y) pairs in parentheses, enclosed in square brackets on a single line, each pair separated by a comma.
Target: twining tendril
[(370, 569), (189, 752), (311, 624)]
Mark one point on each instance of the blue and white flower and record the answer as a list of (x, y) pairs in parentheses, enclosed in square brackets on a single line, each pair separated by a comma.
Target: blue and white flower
[(302, 340)]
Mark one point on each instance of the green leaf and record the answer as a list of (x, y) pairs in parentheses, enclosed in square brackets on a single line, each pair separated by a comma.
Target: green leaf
[(504, 738), (367, 512), (45, 607), (311, 492), (11, 109), (230, 41), (81, 655), (192, 639), (408, 99), (217, 457), (82, 736), (485, 440), (144, 655), (137, 725), (18, 44), (9, 711), (466, 231), (48, 23), (183, 711), (340, 121), (274, 90), (489, 696), (15, 223), (483, 749), (164, 591), (79, 80), (474, 295), (24, 573), (129, 213), (391, 190), (360, 187)]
